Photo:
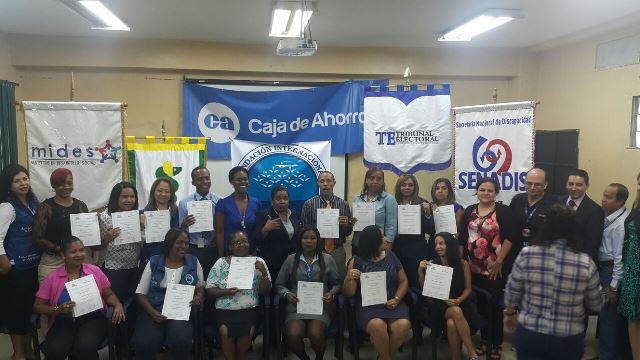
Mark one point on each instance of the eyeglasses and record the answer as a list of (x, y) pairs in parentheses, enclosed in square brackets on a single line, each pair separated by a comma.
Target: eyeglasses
[(534, 185), (239, 242)]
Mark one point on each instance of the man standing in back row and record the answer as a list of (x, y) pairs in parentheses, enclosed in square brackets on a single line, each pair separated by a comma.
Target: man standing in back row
[(327, 200)]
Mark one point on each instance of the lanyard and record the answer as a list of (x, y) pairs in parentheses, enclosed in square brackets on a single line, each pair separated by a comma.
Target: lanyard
[(529, 212), (614, 220)]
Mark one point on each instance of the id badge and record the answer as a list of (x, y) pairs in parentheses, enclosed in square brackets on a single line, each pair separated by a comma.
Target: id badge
[(200, 243), (526, 232)]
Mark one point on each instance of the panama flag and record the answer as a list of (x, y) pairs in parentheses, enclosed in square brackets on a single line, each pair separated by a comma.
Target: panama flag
[(150, 161)]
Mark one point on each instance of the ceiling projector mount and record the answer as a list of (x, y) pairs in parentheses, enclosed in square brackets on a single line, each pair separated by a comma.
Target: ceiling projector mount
[(290, 22)]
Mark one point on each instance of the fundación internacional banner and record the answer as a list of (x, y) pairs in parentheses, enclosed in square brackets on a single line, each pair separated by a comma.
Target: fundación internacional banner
[(296, 166), (407, 131), (83, 137), (326, 113), (497, 141)]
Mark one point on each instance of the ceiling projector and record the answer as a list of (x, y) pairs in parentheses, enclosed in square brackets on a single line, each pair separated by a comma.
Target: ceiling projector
[(296, 47)]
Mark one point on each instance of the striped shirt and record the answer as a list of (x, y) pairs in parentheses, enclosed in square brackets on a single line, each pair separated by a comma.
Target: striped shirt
[(554, 287), (310, 214)]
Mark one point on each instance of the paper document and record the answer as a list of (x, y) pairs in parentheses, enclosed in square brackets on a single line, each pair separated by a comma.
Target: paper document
[(365, 213), (444, 218), (86, 228), (437, 281), (203, 212), (84, 292), (156, 225), (129, 224), (177, 301), (373, 287), (309, 298), (241, 272), (327, 222), (410, 219)]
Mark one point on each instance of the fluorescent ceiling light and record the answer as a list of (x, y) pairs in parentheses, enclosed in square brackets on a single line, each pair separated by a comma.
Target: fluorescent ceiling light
[(97, 14), (289, 19), (484, 22)]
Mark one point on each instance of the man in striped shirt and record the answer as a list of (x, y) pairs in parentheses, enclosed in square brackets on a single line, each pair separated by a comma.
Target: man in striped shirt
[(325, 200)]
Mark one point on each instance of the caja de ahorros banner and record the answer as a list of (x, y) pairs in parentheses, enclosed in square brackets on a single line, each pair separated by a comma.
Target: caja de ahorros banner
[(296, 166), (497, 141), (407, 131), (83, 137), (325, 113)]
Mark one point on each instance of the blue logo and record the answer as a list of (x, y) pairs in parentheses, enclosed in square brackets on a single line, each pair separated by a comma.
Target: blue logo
[(212, 122), (218, 122)]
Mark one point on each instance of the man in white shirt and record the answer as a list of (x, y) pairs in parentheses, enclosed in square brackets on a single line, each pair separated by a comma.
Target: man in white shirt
[(610, 268)]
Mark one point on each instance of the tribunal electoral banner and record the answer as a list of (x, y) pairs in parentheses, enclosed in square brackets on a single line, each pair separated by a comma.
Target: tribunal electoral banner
[(407, 131), (173, 161), (83, 137), (296, 166), (497, 141)]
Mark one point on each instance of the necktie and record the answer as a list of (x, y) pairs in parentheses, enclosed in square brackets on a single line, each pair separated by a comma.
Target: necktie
[(573, 204), (329, 244)]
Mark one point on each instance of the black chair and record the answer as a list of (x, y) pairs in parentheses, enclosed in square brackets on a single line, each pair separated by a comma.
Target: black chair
[(335, 330), (477, 323), (211, 337), (356, 336), (106, 342)]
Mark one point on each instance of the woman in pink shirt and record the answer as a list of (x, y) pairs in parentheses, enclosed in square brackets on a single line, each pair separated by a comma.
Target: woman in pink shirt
[(68, 335)]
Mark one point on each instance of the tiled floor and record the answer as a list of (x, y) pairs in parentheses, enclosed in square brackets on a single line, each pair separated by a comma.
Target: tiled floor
[(367, 352)]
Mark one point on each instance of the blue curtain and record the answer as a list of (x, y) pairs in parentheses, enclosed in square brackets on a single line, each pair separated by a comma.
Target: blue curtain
[(8, 135)]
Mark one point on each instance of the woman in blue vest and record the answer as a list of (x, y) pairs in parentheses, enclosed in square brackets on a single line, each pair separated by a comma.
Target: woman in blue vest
[(172, 266), (19, 258)]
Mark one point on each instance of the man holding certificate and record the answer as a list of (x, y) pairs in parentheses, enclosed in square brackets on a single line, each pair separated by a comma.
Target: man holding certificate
[(237, 304), (74, 297), (448, 281), (199, 219), (171, 282), (328, 201), (308, 281), (386, 322)]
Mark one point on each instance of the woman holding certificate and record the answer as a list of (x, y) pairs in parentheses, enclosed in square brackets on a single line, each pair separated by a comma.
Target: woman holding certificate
[(312, 274), (382, 314), (374, 206), (486, 234), (52, 221), (121, 243), (236, 212), (442, 194), (161, 197), (75, 329), (171, 282), (236, 282), (457, 309), (274, 230), (19, 258), (411, 248)]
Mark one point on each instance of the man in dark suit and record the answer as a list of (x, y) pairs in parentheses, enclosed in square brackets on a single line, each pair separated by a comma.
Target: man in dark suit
[(589, 215)]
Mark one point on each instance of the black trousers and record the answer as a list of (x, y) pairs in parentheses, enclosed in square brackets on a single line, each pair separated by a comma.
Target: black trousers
[(18, 289), (79, 337), (493, 287), (123, 282)]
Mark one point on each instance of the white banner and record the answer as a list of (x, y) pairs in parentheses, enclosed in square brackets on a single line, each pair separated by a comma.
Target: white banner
[(174, 162), (407, 131), (494, 140), (295, 166), (85, 138)]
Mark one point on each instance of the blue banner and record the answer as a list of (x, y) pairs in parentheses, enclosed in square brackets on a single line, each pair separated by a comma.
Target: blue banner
[(332, 112)]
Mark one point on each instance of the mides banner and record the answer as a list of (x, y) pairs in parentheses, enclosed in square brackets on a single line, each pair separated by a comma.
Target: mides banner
[(495, 141), (327, 113)]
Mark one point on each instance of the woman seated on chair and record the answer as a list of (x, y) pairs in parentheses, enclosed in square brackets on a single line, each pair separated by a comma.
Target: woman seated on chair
[(458, 309), (172, 266), (308, 263), (236, 310), (79, 337), (387, 324)]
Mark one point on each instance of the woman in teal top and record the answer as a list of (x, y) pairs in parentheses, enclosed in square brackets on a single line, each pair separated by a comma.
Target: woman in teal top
[(385, 205)]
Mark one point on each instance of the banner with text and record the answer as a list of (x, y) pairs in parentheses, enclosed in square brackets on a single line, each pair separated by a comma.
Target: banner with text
[(495, 141), (296, 166), (407, 131), (326, 113), (150, 161), (83, 137)]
